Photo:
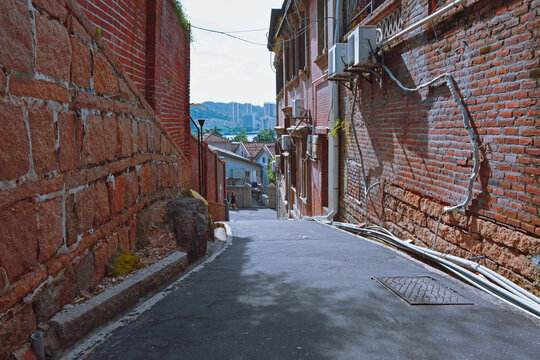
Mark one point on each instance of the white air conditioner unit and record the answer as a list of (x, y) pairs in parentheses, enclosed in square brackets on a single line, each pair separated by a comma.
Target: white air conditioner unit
[(314, 146), (337, 60), (360, 45), (277, 163), (286, 142), (297, 108)]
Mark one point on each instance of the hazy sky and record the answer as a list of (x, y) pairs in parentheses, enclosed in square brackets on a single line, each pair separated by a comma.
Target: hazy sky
[(225, 69)]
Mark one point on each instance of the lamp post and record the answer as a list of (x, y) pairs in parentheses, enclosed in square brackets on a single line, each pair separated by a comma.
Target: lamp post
[(199, 140), (203, 188)]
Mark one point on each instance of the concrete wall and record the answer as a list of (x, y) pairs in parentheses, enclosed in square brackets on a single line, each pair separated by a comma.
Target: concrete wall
[(81, 154), (416, 145), (243, 195)]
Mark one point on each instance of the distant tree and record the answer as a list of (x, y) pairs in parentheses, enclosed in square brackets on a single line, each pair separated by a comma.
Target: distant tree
[(270, 173), (214, 130), (240, 137), (265, 135)]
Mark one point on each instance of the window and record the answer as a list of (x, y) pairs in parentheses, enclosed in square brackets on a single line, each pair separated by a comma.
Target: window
[(322, 33), (279, 77)]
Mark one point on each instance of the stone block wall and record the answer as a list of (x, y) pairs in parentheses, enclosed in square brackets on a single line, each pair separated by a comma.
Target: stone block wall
[(415, 145), (81, 153)]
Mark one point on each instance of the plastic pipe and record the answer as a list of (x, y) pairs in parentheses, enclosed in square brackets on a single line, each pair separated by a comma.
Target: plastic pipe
[(333, 142), (37, 344)]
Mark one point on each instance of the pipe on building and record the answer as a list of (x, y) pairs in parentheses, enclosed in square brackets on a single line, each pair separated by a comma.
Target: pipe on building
[(333, 142)]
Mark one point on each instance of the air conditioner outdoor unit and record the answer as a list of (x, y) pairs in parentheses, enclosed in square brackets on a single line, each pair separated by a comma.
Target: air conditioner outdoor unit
[(360, 45), (308, 144), (277, 163), (297, 108), (286, 142), (314, 146), (337, 60)]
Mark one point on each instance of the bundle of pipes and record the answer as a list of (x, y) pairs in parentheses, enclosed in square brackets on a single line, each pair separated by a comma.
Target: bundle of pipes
[(474, 273)]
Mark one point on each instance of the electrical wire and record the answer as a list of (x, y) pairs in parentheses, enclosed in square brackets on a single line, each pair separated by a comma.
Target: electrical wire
[(228, 34)]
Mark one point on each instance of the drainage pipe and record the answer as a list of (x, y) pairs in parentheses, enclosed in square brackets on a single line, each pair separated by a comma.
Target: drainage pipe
[(333, 142), (488, 281), (433, 16), (466, 123), (37, 344)]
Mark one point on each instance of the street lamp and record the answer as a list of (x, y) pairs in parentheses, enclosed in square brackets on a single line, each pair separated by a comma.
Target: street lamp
[(201, 161), (199, 147)]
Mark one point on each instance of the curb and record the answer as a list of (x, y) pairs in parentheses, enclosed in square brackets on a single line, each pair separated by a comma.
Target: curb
[(98, 336), (73, 324)]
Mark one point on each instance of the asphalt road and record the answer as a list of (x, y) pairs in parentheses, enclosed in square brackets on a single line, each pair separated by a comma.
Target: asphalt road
[(302, 290)]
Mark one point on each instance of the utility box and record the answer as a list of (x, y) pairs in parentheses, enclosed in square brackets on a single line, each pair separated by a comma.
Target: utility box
[(337, 61), (314, 147), (361, 43)]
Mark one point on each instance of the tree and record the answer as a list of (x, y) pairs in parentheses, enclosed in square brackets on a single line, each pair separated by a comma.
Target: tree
[(215, 130), (265, 135), (271, 174), (241, 137)]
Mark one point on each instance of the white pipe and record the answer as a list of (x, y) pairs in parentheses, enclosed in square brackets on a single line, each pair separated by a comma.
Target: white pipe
[(436, 14), (333, 142), (490, 282)]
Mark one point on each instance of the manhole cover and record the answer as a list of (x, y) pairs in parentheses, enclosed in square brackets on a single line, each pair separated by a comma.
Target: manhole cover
[(422, 290)]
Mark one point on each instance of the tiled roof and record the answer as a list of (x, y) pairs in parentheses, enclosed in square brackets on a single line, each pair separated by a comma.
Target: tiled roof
[(212, 138), (253, 148)]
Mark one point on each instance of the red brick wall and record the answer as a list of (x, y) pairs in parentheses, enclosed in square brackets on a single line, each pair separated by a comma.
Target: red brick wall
[(416, 143), (122, 24), (81, 154), (153, 47), (214, 172)]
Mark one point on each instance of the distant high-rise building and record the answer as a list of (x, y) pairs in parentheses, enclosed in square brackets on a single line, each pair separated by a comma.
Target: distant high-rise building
[(248, 108), (248, 120), (270, 109), (235, 113)]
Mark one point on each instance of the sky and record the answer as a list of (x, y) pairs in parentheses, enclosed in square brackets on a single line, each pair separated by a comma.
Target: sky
[(225, 69)]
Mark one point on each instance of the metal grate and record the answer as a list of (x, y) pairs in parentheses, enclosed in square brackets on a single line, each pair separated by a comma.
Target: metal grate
[(422, 290)]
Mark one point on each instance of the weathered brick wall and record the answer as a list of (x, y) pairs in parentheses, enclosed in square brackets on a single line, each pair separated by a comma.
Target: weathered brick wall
[(153, 47), (123, 25), (415, 143), (214, 172), (81, 153)]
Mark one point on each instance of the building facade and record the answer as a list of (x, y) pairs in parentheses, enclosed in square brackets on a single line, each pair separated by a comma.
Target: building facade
[(357, 146)]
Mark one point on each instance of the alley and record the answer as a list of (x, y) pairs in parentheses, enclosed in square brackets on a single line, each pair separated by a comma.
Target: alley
[(302, 290)]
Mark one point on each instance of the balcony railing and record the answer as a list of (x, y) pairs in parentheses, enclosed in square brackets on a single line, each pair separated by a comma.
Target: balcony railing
[(354, 11), (387, 18)]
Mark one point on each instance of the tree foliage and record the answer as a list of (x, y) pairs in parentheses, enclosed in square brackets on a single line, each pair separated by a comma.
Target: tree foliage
[(215, 130), (265, 135), (241, 137), (270, 173)]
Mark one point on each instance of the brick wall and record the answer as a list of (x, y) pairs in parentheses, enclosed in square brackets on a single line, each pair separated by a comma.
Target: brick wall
[(81, 154), (153, 48), (214, 173), (416, 145)]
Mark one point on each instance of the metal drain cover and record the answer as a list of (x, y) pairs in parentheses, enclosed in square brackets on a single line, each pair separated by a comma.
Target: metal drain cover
[(422, 290)]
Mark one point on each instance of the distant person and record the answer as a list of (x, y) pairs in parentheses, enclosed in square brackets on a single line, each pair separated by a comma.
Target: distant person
[(233, 200)]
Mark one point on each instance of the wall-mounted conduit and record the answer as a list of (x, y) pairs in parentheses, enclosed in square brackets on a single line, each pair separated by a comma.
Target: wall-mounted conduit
[(467, 124)]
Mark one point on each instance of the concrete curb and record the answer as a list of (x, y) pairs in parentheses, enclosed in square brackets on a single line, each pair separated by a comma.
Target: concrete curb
[(73, 324), (100, 335)]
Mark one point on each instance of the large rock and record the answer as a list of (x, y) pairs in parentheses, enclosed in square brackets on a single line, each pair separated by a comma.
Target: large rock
[(190, 221)]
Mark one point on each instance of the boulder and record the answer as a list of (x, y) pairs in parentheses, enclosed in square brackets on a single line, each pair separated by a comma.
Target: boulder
[(189, 220)]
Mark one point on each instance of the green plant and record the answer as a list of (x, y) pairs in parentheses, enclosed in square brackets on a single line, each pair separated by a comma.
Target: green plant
[(265, 135), (241, 137), (270, 173), (339, 125), (183, 19)]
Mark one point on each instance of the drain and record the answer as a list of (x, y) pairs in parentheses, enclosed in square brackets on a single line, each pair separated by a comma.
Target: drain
[(422, 290)]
